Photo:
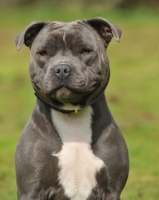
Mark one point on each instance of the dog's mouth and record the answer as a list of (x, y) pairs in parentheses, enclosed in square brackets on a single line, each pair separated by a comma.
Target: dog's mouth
[(65, 94), (70, 95)]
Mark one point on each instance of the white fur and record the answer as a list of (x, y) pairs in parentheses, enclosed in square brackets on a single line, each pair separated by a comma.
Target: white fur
[(78, 165), (64, 39)]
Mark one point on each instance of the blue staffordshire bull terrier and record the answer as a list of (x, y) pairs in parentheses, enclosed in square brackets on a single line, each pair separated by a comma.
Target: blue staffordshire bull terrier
[(71, 147)]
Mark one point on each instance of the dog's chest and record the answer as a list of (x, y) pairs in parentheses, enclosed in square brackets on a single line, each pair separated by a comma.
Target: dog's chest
[(78, 165)]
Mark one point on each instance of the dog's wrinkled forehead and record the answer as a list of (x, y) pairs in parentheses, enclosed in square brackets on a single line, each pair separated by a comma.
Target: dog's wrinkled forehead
[(60, 28), (66, 34)]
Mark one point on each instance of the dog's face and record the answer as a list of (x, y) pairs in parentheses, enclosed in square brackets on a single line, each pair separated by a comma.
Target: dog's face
[(68, 62)]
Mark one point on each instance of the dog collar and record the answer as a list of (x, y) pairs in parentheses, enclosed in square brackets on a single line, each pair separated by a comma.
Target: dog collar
[(55, 108)]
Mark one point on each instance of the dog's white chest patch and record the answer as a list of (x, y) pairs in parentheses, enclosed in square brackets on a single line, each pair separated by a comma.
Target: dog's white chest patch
[(78, 165)]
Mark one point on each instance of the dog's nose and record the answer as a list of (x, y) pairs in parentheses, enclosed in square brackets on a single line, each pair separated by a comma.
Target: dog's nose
[(62, 70)]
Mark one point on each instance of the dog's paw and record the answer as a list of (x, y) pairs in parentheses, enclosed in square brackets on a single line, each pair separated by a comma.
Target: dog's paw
[(52, 194), (47, 194), (98, 194)]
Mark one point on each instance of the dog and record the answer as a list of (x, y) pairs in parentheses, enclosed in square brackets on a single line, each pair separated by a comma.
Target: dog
[(71, 147)]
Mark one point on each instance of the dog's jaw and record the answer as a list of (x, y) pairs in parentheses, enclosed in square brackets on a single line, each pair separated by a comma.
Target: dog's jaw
[(78, 165)]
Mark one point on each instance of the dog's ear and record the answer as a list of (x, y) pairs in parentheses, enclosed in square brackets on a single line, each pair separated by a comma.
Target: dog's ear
[(105, 29), (28, 35)]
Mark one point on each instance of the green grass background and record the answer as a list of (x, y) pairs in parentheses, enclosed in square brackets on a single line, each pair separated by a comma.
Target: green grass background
[(132, 94)]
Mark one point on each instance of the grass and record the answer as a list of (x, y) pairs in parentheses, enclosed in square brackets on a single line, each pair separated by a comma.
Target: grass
[(132, 93)]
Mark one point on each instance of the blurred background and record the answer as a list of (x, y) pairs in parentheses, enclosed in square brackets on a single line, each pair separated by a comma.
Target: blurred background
[(132, 94)]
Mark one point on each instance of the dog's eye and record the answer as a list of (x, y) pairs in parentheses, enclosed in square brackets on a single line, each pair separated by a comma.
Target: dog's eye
[(43, 53), (86, 51)]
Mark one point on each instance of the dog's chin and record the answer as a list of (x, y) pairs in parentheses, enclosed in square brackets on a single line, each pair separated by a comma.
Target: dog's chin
[(66, 95)]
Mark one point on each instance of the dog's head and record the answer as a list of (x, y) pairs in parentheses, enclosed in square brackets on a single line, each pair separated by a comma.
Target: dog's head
[(68, 62)]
